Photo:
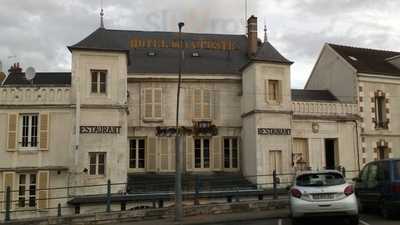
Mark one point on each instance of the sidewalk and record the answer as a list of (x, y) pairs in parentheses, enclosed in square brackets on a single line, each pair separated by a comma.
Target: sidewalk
[(206, 219)]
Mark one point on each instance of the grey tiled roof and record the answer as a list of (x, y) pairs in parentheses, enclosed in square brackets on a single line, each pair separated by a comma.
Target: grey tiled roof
[(303, 95), (166, 59), (41, 79), (366, 60)]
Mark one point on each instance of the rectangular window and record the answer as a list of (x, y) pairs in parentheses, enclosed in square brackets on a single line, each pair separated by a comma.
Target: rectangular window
[(153, 103), (275, 157), (202, 104), (97, 163), (231, 153), (137, 154), (202, 153), (99, 81), (27, 190), (273, 91), (380, 112), (29, 130)]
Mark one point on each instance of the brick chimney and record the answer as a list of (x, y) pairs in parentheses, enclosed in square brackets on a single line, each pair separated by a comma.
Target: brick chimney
[(252, 35), (15, 69)]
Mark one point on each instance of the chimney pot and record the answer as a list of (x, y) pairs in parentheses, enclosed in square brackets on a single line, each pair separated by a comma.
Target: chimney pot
[(252, 36)]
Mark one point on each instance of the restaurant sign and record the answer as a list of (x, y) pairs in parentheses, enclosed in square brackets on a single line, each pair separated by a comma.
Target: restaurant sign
[(100, 129), (274, 131), (222, 45)]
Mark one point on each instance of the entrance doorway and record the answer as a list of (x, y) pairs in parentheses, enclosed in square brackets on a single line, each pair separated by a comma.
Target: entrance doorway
[(331, 154)]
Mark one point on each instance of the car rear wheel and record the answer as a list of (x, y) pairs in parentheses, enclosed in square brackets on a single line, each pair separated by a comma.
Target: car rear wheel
[(354, 220), (385, 211), (296, 221)]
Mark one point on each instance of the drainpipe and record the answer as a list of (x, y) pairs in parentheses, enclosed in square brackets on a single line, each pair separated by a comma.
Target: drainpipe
[(358, 148), (77, 123)]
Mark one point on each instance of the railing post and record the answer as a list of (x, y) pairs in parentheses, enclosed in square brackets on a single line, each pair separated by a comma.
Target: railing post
[(59, 210), (197, 190), (237, 195), (344, 171), (8, 204), (274, 184), (108, 209)]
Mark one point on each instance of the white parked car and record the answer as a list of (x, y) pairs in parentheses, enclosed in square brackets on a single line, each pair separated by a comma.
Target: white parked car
[(322, 193)]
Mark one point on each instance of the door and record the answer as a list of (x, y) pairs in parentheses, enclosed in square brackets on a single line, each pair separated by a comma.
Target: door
[(361, 185), (331, 154), (372, 186)]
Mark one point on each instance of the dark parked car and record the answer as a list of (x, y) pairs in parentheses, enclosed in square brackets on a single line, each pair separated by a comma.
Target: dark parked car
[(378, 187)]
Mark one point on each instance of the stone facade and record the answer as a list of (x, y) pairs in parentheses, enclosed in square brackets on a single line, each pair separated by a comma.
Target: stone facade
[(111, 121)]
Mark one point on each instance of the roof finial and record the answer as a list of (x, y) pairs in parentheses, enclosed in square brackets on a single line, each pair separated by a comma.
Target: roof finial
[(265, 33), (101, 15)]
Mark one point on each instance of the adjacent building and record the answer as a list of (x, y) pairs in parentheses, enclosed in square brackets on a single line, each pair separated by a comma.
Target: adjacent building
[(370, 79), (113, 116)]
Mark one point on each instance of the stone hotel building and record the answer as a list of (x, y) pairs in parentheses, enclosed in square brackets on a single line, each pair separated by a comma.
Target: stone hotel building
[(113, 115)]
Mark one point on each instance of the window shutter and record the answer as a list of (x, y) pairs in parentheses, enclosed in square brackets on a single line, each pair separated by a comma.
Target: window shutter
[(148, 103), (189, 153), (158, 103), (12, 132), (197, 104), (280, 91), (43, 193), (271, 90), (189, 104), (206, 104), (44, 131), (9, 181), (151, 154), (164, 154), (266, 90), (217, 152)]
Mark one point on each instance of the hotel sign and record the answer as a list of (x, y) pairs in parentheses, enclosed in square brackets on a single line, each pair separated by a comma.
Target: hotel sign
[(274, 131), (100, 129), (222, 45)]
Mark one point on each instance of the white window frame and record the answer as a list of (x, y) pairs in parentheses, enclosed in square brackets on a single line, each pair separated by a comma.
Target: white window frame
[(230, 149), (30, 132), (202, 155), (26, 194), (97, 164), (137, 158), (202, 104), (98, 82), (153, 104)]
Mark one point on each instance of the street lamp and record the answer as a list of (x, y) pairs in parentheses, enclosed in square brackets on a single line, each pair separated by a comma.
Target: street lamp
[(178, 141)]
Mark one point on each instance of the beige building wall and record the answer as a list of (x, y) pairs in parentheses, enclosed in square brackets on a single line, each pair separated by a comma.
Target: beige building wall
[(332, 72)]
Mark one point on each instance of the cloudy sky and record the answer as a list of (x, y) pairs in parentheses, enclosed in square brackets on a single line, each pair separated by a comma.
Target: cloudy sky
[(36, 32)]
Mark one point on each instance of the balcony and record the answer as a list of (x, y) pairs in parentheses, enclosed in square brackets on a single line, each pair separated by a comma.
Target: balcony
[(324, 109), (35, 95)]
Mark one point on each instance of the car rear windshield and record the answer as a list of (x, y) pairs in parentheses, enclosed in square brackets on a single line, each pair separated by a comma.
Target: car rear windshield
[(397, 170), (320, 179)]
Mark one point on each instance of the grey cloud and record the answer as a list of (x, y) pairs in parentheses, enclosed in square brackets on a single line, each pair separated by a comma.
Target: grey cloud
[(38, 31)]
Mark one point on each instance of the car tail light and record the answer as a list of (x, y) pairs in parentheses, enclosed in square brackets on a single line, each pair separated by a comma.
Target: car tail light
[(348, 190), (396, 188), (295, 193)]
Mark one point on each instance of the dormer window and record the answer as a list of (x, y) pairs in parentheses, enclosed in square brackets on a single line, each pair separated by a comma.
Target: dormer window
[(151, 54), (353, 58), (99, 81), (195, 54)]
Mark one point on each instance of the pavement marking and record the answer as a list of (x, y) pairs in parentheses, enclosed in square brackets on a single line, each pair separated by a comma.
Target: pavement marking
[(363, 222), (279, 221)]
